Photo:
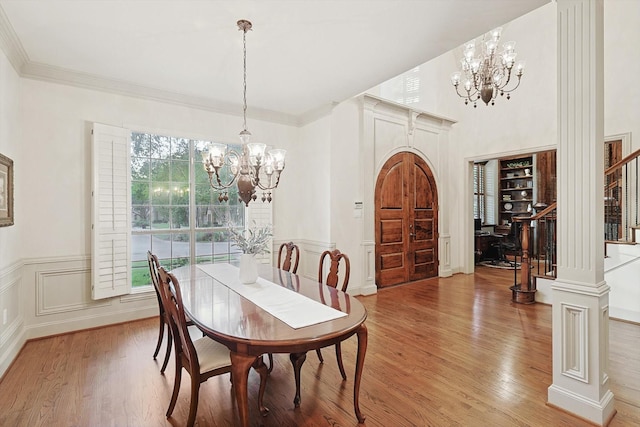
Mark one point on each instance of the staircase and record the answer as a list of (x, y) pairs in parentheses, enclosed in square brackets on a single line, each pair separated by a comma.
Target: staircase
[(622, 243)]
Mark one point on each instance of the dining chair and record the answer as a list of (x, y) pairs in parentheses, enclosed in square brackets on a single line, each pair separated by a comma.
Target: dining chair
[(332, 279), (202, 358), (154, 265), (288, 259)]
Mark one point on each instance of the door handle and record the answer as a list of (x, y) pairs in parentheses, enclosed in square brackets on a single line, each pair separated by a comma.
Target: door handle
[(411, 233)]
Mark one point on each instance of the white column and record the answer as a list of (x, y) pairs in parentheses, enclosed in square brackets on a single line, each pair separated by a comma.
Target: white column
[(580, 294), (368, 180)]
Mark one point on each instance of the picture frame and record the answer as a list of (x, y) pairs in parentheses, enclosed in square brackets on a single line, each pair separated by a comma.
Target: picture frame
[(6, 191)]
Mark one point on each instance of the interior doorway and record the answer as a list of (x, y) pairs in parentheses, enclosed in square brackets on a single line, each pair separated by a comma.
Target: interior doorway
[(613, 187), (406, 219)]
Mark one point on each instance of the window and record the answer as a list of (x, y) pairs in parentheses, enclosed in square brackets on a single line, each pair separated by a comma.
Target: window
[(479, 191), (174, 211), (403, 89)]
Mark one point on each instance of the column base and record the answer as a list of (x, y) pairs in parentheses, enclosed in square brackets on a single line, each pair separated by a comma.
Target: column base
[(599, 413)]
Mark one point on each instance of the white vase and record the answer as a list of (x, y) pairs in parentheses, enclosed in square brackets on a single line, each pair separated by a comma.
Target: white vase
[(248, 269)]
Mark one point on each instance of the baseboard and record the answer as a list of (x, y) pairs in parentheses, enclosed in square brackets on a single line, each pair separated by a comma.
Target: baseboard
[(12, 349), (364, 290), (57, 327)]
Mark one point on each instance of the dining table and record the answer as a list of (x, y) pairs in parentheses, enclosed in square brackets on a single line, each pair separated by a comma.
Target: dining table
[(281, 313)]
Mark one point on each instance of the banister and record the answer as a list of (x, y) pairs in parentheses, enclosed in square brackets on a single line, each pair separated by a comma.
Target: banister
[(622, 162), (545, 211)]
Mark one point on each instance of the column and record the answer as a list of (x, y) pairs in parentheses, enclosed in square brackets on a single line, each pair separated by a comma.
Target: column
[(580, 295)]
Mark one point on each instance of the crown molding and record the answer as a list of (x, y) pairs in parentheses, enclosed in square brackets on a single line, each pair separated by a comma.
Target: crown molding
[(316, 114), (10, 44), (43, 72)]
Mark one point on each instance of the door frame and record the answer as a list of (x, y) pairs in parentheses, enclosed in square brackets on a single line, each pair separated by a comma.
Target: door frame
[(468, 226), (405, 129)]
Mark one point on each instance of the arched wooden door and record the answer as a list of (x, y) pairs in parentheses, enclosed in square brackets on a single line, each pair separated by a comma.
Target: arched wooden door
[(406, 220)]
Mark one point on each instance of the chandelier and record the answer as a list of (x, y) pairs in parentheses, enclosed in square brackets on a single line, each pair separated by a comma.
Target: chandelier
[(252, 168), (484, 76)]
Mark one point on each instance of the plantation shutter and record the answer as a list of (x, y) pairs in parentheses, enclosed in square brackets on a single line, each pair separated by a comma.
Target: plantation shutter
[(479, 188), (111, 211)]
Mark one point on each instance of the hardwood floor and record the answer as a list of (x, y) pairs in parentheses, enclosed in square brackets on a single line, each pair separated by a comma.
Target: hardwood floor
[(442, 352)]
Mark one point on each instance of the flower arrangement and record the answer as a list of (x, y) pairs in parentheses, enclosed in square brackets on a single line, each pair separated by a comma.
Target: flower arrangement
[(251, 241)]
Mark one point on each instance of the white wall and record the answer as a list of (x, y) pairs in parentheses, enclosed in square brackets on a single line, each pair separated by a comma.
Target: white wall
[(11, 331), (308, 189), (10, 147), (345, 185), (622, 68)]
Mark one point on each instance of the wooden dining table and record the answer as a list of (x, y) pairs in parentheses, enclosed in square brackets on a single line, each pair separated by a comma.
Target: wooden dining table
[(249, 331)]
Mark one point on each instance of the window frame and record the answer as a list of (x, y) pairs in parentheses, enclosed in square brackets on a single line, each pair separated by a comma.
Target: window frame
[(195, 146)]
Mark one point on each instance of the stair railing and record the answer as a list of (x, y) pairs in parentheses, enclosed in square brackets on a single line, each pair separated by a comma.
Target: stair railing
[(539, 240), (621, 195)]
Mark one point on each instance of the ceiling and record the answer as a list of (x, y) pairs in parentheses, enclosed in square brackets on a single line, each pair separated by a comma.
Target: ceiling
[(302, 55)]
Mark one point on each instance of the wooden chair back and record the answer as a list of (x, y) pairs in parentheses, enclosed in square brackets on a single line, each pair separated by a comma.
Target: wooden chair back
[(172, 298), (154, 265), (288, 257), (333, 276)]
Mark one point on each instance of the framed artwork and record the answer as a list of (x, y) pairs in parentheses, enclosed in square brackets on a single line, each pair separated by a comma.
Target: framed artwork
[(6, 191)]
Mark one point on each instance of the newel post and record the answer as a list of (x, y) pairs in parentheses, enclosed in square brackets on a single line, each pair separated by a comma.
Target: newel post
[(524, 293)]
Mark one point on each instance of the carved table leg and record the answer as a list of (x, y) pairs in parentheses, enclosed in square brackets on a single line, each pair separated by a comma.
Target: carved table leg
[(240, 365), (263, 371), (297, 359), (362, 349)]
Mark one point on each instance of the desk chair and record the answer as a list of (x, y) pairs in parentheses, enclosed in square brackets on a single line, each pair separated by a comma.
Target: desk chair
[(509, 242)]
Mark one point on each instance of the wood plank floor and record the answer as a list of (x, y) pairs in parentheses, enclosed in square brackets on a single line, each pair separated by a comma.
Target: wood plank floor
[(442, 352)]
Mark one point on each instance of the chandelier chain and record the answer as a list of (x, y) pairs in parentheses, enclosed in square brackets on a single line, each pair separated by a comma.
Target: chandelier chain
[(244, 86)]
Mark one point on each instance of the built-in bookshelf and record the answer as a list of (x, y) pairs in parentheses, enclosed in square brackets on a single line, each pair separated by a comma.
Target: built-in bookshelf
[(516, 188)]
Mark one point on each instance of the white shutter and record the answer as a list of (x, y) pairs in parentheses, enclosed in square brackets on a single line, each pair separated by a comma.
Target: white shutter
[(111, 212)]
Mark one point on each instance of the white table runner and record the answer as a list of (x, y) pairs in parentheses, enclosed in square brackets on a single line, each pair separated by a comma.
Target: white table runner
[(292, 308)]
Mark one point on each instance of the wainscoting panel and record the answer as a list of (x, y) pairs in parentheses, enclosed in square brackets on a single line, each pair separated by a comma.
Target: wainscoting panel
[(575, 352), (310, 252), (65, 290), (369, 268), (12, 331), (57, 298)]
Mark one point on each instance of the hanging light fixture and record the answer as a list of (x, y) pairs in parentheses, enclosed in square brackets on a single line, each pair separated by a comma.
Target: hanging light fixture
[(252, 168), (484, 76)]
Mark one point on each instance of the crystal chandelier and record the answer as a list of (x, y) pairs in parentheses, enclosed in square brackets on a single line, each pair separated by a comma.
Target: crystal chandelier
[(484, 76), (252, 168)]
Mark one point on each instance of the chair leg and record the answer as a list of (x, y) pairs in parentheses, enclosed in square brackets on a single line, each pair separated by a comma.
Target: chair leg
[(168, 353), (270, 363), (193, 406), (319, 353), (176, 389), (340, 365), (160, 336)]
